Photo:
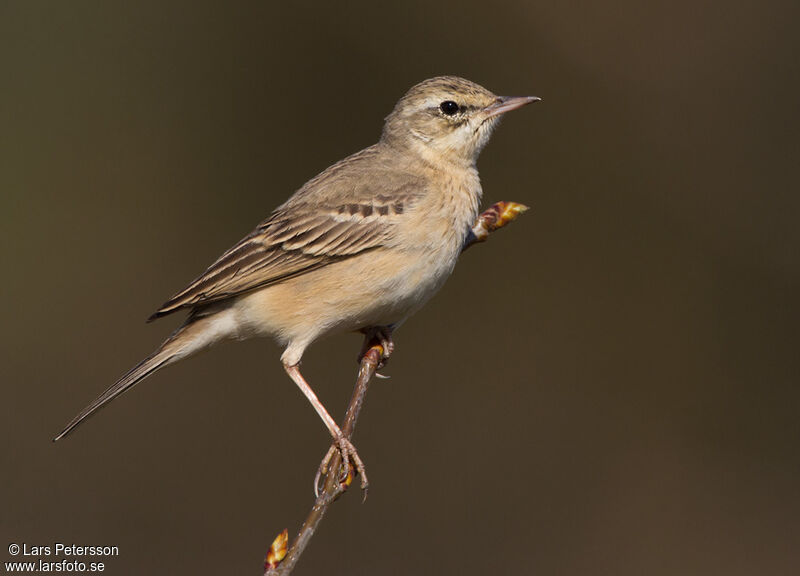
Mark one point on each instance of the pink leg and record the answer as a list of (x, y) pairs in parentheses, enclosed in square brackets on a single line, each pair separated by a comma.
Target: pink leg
[(345, 447)]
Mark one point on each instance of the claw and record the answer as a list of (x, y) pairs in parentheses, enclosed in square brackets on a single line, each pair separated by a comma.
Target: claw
[(349, 454), (323, 469)]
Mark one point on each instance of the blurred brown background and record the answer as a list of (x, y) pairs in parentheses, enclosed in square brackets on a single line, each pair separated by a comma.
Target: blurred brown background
[(609, 386)]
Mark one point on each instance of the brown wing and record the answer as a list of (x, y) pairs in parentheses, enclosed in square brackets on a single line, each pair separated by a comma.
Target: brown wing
[(302, 235)]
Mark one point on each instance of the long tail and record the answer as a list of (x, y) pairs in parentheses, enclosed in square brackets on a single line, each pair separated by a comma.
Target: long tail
[(197, 333)]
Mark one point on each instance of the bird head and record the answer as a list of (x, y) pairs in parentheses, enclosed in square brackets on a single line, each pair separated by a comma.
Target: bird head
[(448, 118)]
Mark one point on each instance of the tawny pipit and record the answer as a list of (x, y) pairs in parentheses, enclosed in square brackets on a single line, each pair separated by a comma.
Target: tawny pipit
[(359, 247)]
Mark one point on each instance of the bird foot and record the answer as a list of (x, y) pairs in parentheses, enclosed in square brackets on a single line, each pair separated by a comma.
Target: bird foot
[(349, 460), (378, 335)]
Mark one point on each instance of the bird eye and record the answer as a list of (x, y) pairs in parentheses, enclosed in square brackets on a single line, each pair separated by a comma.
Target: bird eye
[(448, 107)]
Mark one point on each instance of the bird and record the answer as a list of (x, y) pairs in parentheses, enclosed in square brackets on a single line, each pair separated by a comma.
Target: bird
[(360, 247)]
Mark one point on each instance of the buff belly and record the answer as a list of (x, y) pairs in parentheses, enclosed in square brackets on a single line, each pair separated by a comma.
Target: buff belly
[(378, 288)]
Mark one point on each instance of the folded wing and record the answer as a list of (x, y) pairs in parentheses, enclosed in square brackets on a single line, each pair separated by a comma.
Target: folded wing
[(302, 235)]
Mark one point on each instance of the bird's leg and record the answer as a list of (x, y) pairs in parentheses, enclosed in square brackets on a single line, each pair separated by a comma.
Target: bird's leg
[(340, 441), (378, 335)]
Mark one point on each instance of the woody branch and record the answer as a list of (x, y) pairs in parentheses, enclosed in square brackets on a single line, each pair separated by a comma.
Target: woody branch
[(280, 560)]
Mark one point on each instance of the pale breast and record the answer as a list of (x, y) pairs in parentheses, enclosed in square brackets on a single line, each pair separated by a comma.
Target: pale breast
[(441, 219)]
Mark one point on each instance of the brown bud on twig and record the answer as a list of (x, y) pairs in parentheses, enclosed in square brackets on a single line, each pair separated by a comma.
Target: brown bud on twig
[(277, 551), (495, 217)]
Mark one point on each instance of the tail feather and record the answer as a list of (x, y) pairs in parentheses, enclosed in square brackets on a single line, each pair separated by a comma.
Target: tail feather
[(197, 333)]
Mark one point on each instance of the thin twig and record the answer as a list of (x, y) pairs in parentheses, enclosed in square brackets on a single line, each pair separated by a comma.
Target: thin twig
[(497, 216), (333, 486)]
